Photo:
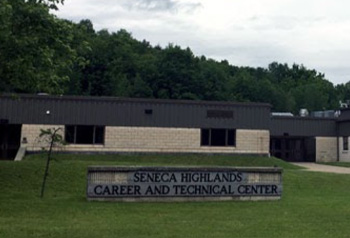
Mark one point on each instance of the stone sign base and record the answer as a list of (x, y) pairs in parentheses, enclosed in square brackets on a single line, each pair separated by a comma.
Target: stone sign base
[(175, 184)]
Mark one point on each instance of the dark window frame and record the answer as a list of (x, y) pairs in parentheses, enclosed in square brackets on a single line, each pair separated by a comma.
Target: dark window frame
[(73, 138), (213, 137), (345, 143)]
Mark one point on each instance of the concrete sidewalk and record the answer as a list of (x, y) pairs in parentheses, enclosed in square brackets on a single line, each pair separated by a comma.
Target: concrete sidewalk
[(324, 168)]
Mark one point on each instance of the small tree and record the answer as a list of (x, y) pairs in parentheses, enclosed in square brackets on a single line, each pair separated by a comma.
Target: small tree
[(52, 138)]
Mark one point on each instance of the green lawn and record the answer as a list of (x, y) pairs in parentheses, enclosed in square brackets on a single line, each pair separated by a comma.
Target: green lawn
[(313, 204)]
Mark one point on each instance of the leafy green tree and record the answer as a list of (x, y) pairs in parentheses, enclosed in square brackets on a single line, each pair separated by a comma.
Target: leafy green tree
[(41, 53), (343, 92), (177, 74), (213, 80), (243, 86), (35, 51), (141, 89), (83, 35), (53, 138)]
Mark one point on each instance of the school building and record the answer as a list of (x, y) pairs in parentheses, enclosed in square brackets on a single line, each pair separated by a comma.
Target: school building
[(129, 125)]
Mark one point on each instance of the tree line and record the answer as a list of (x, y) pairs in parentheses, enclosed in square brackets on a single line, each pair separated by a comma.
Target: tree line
[(40, 52)]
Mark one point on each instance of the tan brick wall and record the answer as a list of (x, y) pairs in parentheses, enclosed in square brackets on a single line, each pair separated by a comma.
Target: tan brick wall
[(253, 141), (326, 149), (156, 139), (35, 143), (152, 139), (32, 135)]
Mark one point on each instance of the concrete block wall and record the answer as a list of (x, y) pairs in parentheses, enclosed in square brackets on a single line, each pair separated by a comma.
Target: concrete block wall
[(156, 139), (253, 141), (326, 149), (153, 139), (31, 134)]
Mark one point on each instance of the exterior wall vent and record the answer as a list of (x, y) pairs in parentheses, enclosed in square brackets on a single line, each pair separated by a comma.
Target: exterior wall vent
[(148, 111), (220, 114)]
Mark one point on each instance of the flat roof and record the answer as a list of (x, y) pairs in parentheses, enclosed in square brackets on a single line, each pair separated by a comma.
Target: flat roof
[(136, 100)]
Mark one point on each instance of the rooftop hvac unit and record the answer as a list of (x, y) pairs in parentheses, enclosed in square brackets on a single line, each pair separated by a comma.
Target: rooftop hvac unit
[(343, 104), (303, 112), (337, 113)]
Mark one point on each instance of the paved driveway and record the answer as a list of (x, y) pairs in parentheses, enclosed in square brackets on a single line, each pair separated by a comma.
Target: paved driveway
[(324, 168)]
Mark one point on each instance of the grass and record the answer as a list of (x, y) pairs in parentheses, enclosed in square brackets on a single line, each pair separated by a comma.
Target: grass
[(313, 204)]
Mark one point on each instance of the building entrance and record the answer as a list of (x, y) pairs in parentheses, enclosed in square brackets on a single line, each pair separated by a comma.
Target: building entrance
[(10, 139), (294, 149)]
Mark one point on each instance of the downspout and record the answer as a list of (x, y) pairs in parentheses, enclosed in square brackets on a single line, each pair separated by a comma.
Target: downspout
[(337, 134)]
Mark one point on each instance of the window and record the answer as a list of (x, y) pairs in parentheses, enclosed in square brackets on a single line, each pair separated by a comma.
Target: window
[(218, 137), (84, 134), (345, 143)]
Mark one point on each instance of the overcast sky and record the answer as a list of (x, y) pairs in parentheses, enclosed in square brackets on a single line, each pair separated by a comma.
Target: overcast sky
[(315, 33)]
